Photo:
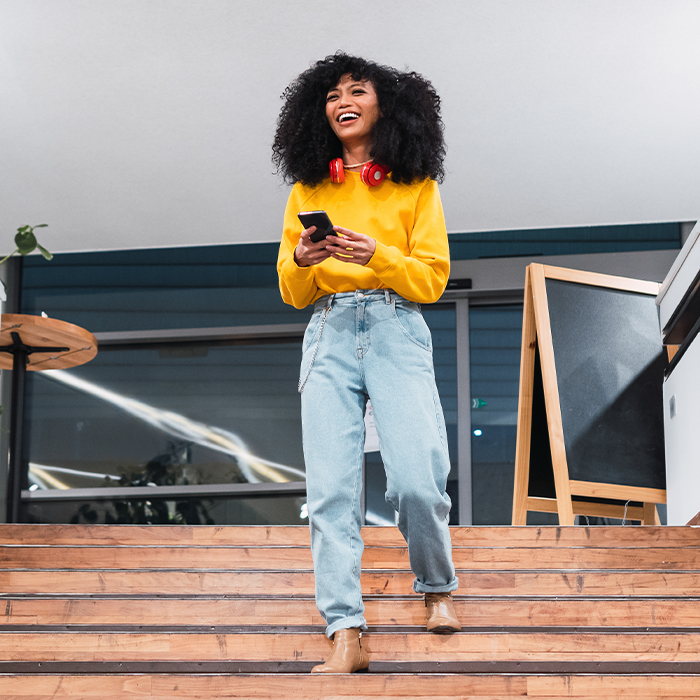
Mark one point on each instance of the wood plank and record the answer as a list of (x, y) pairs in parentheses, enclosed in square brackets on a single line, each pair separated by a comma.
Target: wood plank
[(617, 491), (661, 558), (598, 279), (479, 612), (314, 647), (525, 397), (295, 584), (595, 510), (612, 686), (312, 687), (299, 558), (651, 514), (283, 536), (557, 444)]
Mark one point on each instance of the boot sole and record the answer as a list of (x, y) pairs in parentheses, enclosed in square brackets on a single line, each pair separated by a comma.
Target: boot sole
[(340, 673), (444, 630)]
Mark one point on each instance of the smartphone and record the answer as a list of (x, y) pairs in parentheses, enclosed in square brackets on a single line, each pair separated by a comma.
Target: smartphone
[(320, 220)]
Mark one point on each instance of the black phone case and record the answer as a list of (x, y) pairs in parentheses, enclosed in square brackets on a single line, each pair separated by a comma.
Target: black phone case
[(320, 220)]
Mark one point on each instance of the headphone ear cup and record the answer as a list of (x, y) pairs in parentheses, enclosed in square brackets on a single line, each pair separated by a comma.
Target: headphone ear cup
[(373, 174), (337, 170)]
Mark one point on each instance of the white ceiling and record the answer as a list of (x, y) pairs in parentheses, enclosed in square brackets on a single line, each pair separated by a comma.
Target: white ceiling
[(140, 123)]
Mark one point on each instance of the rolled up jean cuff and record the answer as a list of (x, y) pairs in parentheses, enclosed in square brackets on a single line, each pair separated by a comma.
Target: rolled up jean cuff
[(344, 624), (419, 587)]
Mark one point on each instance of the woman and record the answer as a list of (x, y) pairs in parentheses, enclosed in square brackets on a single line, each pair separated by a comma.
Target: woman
[(378, 133)]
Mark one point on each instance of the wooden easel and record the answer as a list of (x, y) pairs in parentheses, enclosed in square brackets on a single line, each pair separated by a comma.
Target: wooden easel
[(537, 336)]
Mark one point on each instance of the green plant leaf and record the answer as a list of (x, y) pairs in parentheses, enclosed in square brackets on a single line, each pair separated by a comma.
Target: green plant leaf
[(44, 252), (25, 242)]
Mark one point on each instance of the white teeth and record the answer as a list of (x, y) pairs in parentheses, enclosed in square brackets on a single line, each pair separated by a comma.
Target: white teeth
[(348, 115)]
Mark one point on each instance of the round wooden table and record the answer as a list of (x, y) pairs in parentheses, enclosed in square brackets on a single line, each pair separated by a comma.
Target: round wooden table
[(35, 343)]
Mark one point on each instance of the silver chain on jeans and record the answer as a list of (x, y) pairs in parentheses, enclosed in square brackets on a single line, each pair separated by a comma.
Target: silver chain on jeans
[(302, 382)]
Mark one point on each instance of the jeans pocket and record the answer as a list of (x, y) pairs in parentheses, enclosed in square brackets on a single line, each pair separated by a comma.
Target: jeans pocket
[(412, 323)]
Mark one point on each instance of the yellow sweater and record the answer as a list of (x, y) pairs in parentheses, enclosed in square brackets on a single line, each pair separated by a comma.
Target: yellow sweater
[(412, 255)]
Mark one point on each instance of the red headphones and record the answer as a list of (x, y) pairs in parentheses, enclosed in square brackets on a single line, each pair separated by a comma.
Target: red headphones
[(372, 174)]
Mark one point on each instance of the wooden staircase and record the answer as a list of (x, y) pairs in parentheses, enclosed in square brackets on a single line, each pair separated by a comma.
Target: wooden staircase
[(130, 612)]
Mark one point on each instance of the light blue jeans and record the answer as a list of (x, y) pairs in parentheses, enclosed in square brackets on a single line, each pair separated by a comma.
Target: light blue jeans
[(358, 345)]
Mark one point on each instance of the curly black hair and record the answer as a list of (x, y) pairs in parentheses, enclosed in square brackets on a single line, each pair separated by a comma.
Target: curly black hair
[(407, 137)]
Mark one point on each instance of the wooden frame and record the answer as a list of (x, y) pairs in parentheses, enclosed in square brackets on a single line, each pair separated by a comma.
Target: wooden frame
[(537, 334)]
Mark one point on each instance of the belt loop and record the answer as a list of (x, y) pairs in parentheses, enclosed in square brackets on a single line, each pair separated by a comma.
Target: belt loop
[(387, 296), (330, 301)]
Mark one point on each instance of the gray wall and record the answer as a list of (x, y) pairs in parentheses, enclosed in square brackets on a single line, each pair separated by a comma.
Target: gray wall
[(139, 123)]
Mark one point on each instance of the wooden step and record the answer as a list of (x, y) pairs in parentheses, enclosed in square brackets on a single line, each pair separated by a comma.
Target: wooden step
[(357, 686), (301, 584), (299, 558), (284, 645), (188, 535), (406, 610)]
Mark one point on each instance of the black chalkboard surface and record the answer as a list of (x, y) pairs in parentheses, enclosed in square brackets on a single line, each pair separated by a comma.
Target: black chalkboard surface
[(590, 419)]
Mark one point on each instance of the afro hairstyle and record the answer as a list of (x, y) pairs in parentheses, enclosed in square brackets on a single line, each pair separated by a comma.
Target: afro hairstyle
[(407, 138)]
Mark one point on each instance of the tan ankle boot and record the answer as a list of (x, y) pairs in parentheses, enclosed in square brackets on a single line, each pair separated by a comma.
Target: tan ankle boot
[(347, 656), (440, 613)]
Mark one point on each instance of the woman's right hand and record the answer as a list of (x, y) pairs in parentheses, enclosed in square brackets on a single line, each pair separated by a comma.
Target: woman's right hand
[(307, 252)]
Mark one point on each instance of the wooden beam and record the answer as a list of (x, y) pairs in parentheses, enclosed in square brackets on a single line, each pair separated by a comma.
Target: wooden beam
[(600, 280), (551, 395), (618, 492), (651, 514), (671, 351), (525, 397), (595, 510)]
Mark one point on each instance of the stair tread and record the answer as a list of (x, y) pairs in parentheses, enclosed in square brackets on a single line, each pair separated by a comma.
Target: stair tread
[(609, 536), (313, 646), (388, 686), (409, 610), (295, 584), (299, 558)]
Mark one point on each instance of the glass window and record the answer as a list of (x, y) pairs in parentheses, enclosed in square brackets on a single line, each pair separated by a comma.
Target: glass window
[(494, 353), (495, 336), (177, 414), (256, 510)]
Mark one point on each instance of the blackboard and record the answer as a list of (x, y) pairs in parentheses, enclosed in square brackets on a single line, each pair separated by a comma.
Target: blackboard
[(590, 419)]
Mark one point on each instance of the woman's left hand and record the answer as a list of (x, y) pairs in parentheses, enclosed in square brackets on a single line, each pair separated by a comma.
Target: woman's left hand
[(352, 247)]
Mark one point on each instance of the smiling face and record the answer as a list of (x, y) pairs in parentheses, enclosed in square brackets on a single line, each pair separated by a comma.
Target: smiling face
[(352, 110)]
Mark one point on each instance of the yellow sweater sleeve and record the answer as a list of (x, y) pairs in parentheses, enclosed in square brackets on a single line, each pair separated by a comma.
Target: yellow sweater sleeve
[(422, 274), (297, 284)]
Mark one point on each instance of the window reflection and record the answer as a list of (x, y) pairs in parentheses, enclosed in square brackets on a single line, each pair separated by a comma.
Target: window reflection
[(140, 417), (259, 510)]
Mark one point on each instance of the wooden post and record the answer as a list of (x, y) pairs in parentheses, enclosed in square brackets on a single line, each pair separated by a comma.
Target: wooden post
[(525, 397), (551, 396)]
